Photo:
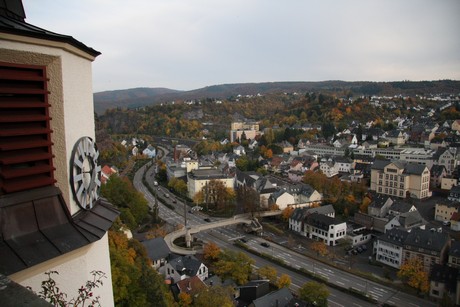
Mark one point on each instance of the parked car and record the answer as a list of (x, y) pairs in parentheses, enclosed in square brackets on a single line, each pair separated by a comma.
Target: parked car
[(265, 244), (207, 220), (446, 223)]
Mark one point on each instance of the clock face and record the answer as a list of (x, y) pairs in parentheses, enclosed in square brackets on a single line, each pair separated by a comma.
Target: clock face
[(85, 173)]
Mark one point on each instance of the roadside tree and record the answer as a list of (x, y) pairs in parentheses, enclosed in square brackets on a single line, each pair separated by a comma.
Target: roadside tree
[(284, 281), (234, 265), (314, 293), (413, 274)]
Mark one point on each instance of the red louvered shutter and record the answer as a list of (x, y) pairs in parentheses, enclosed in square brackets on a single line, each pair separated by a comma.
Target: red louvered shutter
[(25, 133)]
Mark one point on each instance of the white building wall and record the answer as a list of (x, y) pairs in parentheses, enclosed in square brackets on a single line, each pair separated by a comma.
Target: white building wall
[(74, 270), (388, 254)]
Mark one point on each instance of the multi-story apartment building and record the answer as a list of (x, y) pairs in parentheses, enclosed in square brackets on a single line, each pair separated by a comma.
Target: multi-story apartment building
[(51, 216), (445, 209), (454, 255), (199, 179), (388, 247), (429, 246), (399, 178), (249, 128)]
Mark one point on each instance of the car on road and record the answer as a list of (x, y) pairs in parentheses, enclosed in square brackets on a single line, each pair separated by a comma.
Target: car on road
[(167, 195), (265, 244), (174, 201), (207, 220), (244, 240)]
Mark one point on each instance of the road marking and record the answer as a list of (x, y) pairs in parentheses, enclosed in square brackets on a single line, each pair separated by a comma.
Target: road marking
[(376, 293), (295, 285), (336, 304), (340, 283)]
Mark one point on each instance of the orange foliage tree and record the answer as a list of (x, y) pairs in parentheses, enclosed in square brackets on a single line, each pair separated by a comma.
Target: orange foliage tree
[(211, 251), (413, 273), (287, 212), (185, 299), (284, 281), (320, 248)]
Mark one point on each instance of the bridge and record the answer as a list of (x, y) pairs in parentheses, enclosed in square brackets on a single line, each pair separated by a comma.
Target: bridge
[(186, 232)]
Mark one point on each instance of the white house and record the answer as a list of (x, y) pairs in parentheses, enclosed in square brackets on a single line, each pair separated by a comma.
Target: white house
[(239, 150), (343, 165), (150, 151), (298, 216), (183, 267), (158, 251), (328, 168), (388, 248), (282, 199), (324, 228)]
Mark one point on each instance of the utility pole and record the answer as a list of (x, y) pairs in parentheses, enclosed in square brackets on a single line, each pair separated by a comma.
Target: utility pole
[(185, 213)]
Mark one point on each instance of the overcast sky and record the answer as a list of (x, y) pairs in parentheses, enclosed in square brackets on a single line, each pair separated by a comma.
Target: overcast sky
[(189, 44)]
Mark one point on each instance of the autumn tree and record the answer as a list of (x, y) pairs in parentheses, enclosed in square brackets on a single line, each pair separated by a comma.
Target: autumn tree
[(365, 204), (284, 281), (234, 265), (156, 232), (320, 248), (217, 194), (185, 299), (314, 293), (161, 175), (134, 281), (211, 251), (286, 214), (413, 273), (268, 272), (214, 296), (248, 200), (178, 185), (132, 204)]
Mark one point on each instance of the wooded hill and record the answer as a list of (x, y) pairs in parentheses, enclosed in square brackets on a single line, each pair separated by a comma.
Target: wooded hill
[(139, 97)]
